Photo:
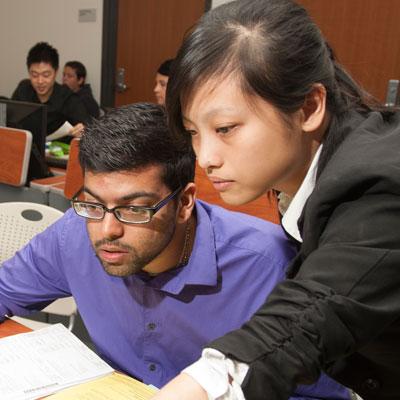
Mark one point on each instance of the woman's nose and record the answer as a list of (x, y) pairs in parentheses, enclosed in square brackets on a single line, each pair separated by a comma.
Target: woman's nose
[(208, 151)]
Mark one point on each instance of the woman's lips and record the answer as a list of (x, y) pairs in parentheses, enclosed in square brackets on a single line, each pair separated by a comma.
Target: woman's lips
[(220, 184)]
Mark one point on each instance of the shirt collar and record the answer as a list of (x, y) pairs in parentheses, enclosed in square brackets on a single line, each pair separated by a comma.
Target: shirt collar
[(202, 266), (293, 212)]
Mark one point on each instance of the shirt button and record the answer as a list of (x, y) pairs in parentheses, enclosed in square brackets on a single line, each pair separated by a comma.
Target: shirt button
[(152, 367), (151, 326), (371, 385)]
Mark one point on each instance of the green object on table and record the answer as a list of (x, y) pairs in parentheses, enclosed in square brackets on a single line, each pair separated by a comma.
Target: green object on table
[(58, 149)]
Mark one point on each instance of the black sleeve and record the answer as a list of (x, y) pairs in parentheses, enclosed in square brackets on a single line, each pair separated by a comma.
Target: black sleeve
[(74, 110), (91, 105), (18, 93), (345, 294)]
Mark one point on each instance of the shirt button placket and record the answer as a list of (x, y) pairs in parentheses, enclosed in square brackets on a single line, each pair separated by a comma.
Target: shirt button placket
[(152, 367), (151, 326)]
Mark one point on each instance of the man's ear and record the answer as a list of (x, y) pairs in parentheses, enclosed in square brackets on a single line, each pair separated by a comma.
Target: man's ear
[(81, 81), (186, 202), (314, 109)]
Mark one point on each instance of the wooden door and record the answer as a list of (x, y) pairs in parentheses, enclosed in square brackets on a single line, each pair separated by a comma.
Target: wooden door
[(149, 32), (365, 35)]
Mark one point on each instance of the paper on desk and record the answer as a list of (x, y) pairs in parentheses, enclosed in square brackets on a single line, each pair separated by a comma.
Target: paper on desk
[(42, 362), (62, 131), (111, 387)]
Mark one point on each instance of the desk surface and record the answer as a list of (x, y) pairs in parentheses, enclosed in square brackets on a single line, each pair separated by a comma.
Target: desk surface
[(10, 327), (60, 162)]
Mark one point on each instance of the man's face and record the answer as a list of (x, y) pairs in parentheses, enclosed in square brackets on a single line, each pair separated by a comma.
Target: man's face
[(71, 79), (125, 249), (42, 76)]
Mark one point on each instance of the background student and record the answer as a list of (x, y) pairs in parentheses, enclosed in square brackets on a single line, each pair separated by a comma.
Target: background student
[(155, 273), (161, 80), (41, 87), (266, 105), (74, 76)]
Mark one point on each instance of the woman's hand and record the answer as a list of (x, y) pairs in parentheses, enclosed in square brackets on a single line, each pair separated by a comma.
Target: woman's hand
[(183, 387)]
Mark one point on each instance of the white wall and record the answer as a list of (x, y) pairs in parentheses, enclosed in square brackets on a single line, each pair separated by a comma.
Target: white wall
[(216, 3), (23, 23)]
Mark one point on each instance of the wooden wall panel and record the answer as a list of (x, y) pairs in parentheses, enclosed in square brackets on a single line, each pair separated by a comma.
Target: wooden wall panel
[(149, 32), (365, 35)]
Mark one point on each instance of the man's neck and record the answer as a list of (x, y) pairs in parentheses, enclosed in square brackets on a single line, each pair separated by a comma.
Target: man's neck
[(177, 253), (45, 98)]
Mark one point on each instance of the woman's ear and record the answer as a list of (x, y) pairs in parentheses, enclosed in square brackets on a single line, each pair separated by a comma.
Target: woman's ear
[(186, 202), (314, 109)]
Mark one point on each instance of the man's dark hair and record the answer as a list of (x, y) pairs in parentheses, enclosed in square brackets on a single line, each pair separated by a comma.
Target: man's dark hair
[(165, 67), (43, 52), (79, 69), (132, 137)]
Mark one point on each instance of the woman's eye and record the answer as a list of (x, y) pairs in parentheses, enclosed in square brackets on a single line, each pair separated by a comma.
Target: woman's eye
[(225, 129), (190, 132)]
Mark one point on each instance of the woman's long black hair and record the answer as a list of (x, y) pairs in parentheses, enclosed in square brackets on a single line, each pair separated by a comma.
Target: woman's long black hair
[(277, 52)]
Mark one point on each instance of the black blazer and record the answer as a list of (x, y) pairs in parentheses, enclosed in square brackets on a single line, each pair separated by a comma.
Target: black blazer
[(340, 309)]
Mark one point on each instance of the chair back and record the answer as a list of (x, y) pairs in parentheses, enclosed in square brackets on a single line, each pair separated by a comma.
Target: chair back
[(15, 150), (66, 185), (74, 175), (19, 222), (265, 207)]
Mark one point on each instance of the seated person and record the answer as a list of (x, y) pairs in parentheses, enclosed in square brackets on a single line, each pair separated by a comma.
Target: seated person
[(74, 76), (41, 87), (162, 77), (155, 273)]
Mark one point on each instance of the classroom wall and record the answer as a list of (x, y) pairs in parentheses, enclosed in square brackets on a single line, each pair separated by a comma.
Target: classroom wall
[(23, 23), (216, 3)]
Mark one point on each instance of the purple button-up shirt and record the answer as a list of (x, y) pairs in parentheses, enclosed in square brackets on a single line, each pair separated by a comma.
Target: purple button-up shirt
[(152, 328)]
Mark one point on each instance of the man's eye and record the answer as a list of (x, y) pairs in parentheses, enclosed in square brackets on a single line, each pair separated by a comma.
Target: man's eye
[(133, 211), (92, 207)]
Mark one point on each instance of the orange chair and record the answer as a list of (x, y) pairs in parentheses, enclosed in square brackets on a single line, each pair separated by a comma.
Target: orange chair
[(15, 150), (69, 183), (265, 207)]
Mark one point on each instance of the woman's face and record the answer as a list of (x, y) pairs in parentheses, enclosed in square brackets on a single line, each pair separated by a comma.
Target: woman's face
[(244, 144), (160, 88)]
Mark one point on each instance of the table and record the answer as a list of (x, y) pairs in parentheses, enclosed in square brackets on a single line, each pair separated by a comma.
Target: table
[(58, 162)]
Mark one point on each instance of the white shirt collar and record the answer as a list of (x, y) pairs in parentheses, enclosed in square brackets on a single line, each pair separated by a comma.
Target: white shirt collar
[(293, 212)]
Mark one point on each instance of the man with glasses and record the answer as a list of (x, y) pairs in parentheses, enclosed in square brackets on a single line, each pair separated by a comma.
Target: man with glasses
[(155, 273)]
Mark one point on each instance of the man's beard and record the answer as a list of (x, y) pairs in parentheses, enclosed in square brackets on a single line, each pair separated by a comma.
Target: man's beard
[(137, 261)]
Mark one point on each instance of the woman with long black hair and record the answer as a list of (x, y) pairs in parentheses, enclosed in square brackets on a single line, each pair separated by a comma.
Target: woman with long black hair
[(259, 93)]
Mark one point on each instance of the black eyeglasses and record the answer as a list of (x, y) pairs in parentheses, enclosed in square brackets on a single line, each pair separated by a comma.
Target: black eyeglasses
[(126, 214)]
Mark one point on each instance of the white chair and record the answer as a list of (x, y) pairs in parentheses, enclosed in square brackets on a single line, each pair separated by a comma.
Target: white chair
[(19, 222)]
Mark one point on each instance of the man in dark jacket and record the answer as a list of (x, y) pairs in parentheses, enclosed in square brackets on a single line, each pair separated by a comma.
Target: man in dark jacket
[(74, 76), (41, 87)]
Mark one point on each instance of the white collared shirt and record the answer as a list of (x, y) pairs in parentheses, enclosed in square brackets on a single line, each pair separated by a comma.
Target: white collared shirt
[(293, 212), (213, 369)]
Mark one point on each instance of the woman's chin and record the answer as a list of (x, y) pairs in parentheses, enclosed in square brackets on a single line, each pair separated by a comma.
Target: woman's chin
[(239, 198)]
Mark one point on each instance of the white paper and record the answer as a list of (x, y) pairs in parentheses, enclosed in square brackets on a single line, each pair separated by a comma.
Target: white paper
[(62, 131), (38, 363)]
